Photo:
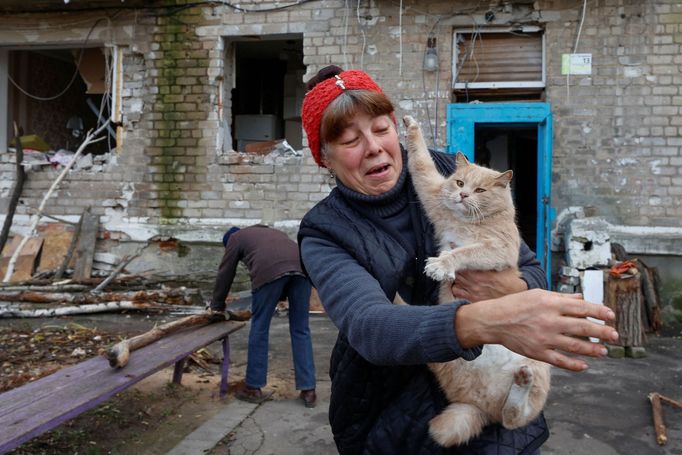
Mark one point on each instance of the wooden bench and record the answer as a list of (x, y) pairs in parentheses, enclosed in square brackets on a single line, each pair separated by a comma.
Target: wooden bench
[(39, 406)]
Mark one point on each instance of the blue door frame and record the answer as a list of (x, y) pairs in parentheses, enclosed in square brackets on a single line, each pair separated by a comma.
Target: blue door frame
[(462, 120)]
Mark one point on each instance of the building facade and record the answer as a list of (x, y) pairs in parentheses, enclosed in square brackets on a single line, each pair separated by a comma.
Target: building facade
[(202, 93)]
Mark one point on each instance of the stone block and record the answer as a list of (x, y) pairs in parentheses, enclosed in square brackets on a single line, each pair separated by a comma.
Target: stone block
[(635, 352), (614, 351), (588, 243)]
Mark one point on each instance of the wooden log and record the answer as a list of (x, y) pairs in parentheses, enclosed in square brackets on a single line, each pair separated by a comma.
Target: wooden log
[(178, 296), (119, 354), (623, 296), (9, 312)]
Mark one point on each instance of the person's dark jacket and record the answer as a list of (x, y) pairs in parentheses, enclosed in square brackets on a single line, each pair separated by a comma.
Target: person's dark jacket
[(267, 253), (385, 408)]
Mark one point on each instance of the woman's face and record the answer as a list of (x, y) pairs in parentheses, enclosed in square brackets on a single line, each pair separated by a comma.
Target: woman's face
[(366, 157)]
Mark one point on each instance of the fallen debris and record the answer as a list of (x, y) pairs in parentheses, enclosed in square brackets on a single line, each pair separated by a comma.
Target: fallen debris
[(119, 354), (659, 424)]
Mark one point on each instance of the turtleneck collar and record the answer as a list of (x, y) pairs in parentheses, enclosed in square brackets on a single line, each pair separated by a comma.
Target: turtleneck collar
[(385, 204)]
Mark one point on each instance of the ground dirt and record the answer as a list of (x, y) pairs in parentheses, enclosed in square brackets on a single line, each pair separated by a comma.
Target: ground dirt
[(143, 419), (151, 417)]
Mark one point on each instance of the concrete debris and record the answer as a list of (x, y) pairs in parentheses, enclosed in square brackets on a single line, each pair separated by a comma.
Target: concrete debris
[(588, 243)]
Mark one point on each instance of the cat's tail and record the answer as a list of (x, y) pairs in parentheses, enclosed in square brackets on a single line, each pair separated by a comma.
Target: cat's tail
[(458, 423)]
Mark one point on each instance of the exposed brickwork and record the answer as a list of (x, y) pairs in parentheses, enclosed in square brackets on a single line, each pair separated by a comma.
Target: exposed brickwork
[(616, 132)]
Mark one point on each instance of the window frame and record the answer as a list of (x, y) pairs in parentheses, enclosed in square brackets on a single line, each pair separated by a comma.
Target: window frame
[(497, 84)]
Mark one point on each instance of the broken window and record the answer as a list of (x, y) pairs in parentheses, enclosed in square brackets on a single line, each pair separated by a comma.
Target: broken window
[(55, 96), (266, 93), (494, 65)]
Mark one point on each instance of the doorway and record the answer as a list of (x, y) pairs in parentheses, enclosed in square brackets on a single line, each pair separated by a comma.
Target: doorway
[(513, 146), (516, 136)]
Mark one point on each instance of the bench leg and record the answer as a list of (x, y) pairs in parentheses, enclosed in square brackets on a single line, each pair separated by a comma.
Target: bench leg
[(177, 372), (225, 367)]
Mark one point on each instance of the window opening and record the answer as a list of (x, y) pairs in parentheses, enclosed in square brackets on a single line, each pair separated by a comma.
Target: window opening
[(267, 94), (56, 125)]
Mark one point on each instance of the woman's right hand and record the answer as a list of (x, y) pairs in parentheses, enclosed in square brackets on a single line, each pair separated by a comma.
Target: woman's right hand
[(539, 324)]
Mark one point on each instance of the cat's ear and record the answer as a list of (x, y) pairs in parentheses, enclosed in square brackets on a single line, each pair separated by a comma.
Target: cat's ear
[(504, 178), (461, 159)]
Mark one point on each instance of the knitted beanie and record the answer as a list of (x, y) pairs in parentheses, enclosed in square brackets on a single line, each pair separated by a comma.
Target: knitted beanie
[(322, 94), (229, 233)]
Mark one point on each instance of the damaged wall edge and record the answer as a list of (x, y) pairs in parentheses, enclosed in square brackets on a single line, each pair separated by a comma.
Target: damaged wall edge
[(204, 230), (652, 240)]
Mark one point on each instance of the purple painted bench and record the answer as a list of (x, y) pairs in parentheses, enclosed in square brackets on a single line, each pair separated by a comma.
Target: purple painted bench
[(39, 406)]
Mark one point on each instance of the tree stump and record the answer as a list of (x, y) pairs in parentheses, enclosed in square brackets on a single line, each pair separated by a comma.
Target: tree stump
[(624, 297)]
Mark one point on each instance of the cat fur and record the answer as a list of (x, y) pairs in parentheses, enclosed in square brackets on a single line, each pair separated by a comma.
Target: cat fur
[(479, 234)]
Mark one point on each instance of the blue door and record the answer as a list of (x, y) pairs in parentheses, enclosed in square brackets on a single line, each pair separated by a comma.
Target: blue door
[(467, 122)]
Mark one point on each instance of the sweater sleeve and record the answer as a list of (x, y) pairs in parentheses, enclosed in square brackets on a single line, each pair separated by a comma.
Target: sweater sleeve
[(225, 276), (531, 270), (383, 333)]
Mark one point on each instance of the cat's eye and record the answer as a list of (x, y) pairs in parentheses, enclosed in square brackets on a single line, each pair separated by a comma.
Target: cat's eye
[(479, 190), (459, 183)]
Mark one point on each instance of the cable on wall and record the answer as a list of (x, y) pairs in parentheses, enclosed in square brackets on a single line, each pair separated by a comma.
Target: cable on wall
[(575, 49), (73, 78)]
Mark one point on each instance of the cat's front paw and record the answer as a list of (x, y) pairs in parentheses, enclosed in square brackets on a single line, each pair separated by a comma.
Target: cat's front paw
[(439, 269), (410, 122)]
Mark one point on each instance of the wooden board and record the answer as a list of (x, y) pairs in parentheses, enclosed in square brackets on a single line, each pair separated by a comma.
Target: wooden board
[(85, 251), (26, 262), (36, 407), (57, 238)]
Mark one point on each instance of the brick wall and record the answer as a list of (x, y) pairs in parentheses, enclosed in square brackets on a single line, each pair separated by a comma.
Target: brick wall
[(616, 132)]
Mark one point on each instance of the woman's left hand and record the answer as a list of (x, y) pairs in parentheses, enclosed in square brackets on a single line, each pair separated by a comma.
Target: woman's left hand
[(477, 285)]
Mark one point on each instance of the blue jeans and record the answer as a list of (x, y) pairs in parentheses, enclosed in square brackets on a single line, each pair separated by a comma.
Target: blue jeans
[(263, 302)]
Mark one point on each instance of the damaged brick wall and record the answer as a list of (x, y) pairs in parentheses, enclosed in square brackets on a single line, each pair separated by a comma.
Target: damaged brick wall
[(616, 131)]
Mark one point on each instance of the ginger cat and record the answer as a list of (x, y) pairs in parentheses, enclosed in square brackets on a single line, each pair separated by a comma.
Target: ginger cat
[(474, 220)]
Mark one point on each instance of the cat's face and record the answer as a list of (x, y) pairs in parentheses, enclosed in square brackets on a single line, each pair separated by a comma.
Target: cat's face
[(474, 192), (367, 156)]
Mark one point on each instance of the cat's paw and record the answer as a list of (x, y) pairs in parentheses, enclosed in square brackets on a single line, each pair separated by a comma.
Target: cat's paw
[(439, 269), (409, 122), (523, 377)]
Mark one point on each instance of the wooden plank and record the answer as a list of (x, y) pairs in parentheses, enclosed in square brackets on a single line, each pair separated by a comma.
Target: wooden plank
[(85, 252), (57, 238), (26, 261), (41, 405)]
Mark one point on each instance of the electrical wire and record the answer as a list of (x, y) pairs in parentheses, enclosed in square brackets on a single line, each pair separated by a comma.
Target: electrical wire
[(73, 78), (345, 33), (364, 37), (575, 49), (400, 36)]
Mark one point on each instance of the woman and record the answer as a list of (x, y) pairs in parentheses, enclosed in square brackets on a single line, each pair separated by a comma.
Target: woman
[(366, 242)]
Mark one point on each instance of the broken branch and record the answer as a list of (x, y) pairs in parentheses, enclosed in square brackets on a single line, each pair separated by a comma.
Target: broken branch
[(119, 354), (659, 424)]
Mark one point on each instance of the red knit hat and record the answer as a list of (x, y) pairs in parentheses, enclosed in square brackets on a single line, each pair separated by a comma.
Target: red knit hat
[(322, 94)]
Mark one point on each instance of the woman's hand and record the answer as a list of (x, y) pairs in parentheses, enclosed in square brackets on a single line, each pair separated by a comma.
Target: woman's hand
[(477, 285), (539, 324)]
